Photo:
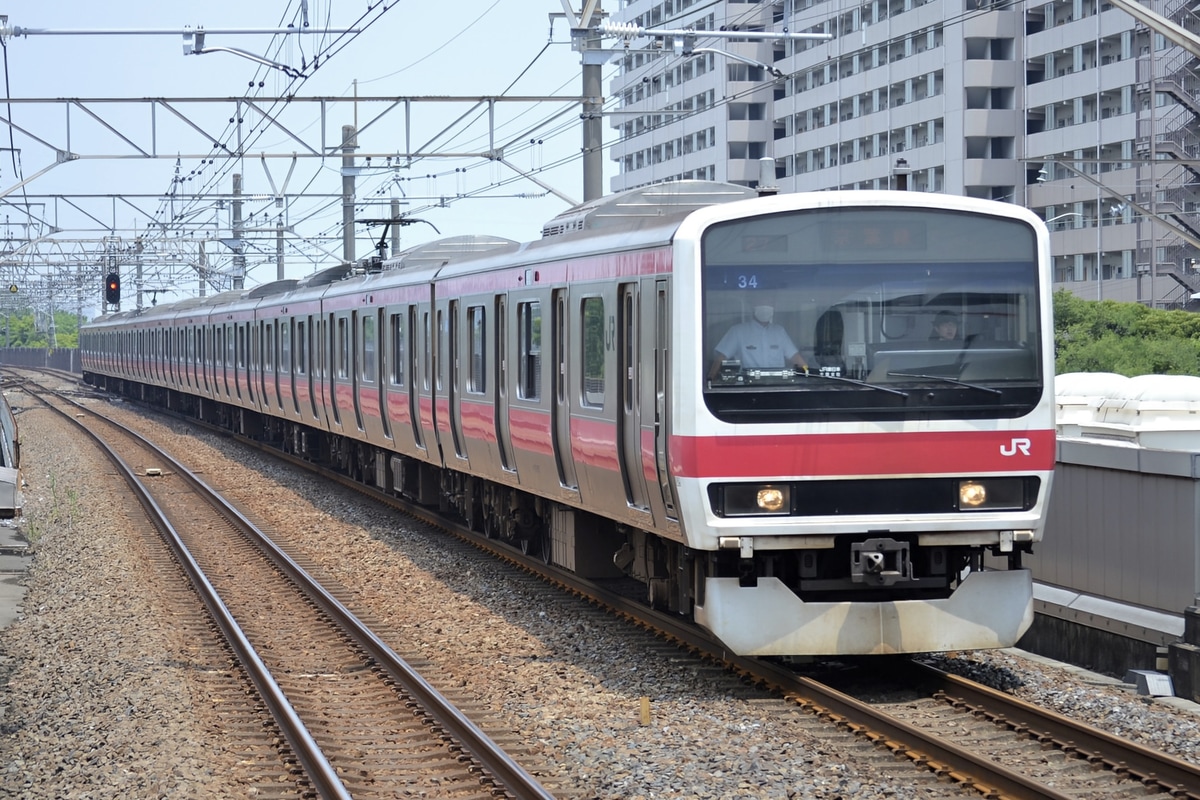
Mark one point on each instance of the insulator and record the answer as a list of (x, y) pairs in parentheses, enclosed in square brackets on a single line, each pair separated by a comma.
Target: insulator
[(620, 29)]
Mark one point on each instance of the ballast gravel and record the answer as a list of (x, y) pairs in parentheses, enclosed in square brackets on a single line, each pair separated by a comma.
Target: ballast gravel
[(97, 699)]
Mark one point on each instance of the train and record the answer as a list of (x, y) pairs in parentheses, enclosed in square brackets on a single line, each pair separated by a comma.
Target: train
[(852, 484), (12, 498)]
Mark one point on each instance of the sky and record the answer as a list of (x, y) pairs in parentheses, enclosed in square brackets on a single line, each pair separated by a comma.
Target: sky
[(411, 49)]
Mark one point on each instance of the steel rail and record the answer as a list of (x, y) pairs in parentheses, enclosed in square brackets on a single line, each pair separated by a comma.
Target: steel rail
[(937, 754), (1180, 778), (316, 766), (503, 769)]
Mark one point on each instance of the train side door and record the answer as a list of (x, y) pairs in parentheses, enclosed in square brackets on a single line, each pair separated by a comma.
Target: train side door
[(416, 379), (429, 385), (253, 362), (318, 365), (381, 371), (228, 359), (204, 356), (662, 398), (322, 366), (268, 384), (454, 379), (336, 364), (275, 329), (629, 417), (357, 357), (287, 342), (243, 361), (260, 359), (560, 410), (306, 364), (503, 440)]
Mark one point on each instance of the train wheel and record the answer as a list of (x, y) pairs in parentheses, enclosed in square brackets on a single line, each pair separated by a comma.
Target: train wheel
[(491, 525), (474, 514), (546, 544)]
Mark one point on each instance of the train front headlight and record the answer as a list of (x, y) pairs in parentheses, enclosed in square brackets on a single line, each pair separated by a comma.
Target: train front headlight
[(771, 499), (752, 500), (971, 494), (992, 494)]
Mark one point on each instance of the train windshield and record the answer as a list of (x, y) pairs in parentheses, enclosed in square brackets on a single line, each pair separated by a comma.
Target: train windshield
[(871, 314)]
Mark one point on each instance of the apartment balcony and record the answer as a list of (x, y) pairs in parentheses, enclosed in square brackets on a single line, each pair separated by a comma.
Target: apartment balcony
[(993, 172), (749, 130), (992, 25), (988, 73), (992, 122)]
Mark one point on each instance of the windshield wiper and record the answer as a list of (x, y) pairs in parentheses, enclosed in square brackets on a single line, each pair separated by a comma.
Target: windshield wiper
[(944, 379), (887, 389)]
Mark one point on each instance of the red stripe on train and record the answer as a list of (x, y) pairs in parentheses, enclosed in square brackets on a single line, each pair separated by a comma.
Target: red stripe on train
[(922, 453)]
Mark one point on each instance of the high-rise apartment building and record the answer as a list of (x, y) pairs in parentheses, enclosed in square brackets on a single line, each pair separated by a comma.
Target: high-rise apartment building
[(1071, 108)]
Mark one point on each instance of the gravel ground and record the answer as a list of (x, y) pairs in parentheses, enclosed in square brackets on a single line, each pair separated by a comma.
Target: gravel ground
[(93, 711)]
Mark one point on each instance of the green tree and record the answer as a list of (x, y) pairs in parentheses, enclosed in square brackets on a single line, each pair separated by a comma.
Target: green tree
[(24, 327), (1127, 338)]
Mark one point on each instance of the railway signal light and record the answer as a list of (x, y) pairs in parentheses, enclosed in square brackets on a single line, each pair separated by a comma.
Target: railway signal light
[(112, 288)]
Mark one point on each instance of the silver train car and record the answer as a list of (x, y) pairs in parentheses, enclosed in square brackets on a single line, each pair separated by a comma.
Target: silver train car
[(11, 497), (845, 482)]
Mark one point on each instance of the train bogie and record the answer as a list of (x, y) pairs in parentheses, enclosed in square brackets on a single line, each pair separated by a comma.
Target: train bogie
[(742, 405)]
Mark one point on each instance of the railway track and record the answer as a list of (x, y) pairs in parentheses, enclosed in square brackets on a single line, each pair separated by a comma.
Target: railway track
[(982, 742), (357, 719), (1086, 758), (983, 739)]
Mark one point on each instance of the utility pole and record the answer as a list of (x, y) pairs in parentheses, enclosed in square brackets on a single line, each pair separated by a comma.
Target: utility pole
[(239, 247), (202, 270), (594, 59), (138, 249), (279, 248), (587, 30), (349, 146), (395, 227)]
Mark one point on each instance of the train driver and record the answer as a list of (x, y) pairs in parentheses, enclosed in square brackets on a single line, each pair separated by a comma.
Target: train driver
[(945, 327), (758, 344)]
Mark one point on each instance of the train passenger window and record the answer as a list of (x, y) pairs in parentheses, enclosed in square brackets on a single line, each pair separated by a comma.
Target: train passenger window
[(529, 342), (285, 346), (399, 350), (302, 348), (476, 380), (593, 352), (428, 374), (268, 354), (443, 349), (368, 349), (343, 349)]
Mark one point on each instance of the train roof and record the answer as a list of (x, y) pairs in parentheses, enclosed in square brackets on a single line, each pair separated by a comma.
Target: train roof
[(325, 276), (274, 287), (646, 204), (186, 303), (444, 251), (637, 217)]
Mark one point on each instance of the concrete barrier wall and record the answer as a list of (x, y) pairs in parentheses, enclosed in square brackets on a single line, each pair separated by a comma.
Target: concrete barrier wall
[(1123, 525), (1124, 521), (65, 359)]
